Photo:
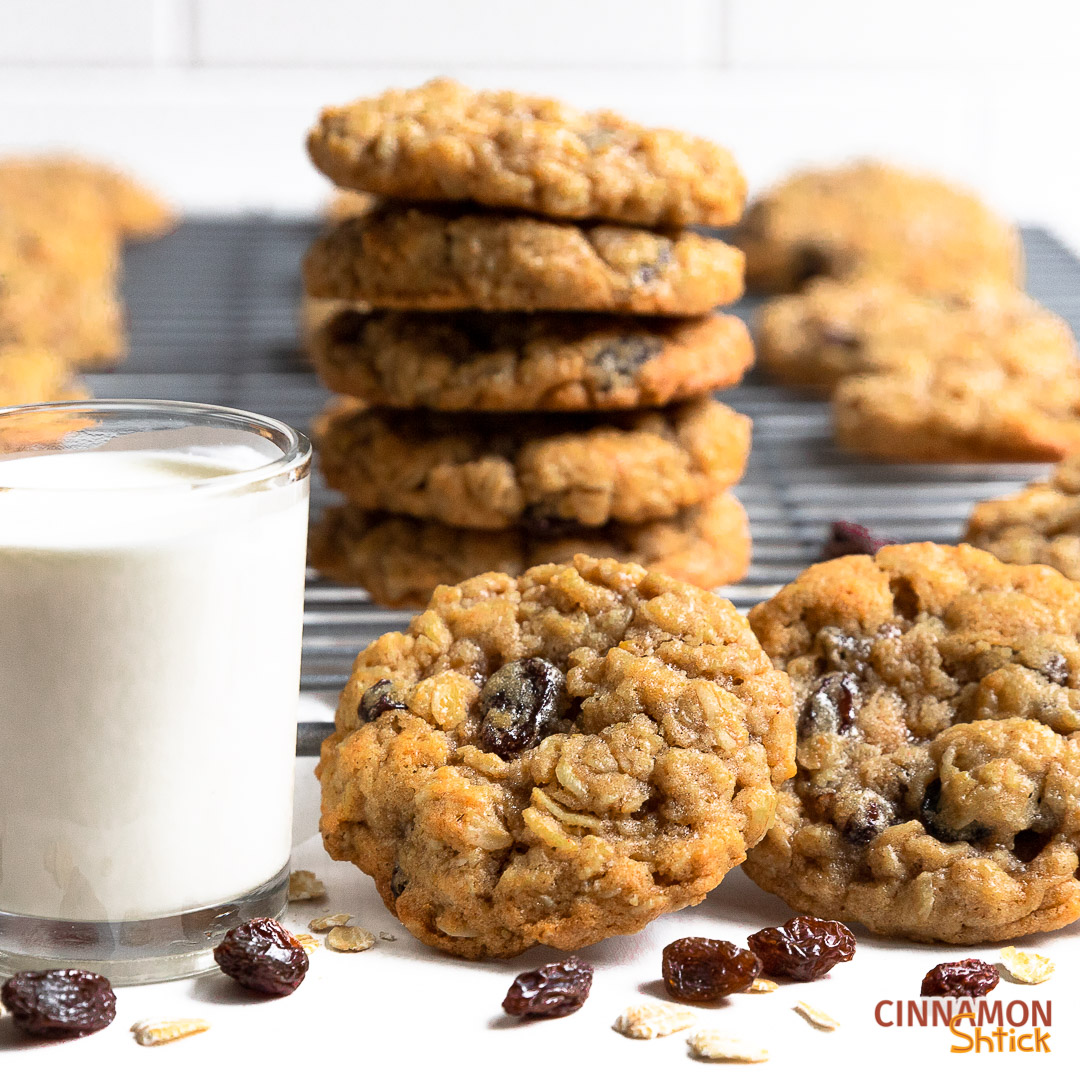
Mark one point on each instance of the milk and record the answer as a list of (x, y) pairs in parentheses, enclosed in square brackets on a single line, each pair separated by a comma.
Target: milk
[(150, 621)]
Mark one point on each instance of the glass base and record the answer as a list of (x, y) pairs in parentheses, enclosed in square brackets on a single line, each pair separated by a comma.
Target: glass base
[(144, 951)]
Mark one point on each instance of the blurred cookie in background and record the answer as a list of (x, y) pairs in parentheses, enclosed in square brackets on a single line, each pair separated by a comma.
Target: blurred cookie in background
[(834, 329), (1038, 524), (868, 217)]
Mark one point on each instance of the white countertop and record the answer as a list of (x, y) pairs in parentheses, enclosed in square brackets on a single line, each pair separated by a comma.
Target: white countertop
[(403, 1010)]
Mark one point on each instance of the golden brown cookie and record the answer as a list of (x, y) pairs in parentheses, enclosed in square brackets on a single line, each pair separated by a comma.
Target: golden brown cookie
[(496, 470), (516, 361), (400, 560), (443, 260), (349, 204), (65, 184), (834, 329), (938, 788), (79, 318), (873, 218), (1040, 524), (29, 375), (555, 758), (959, 409), (443, 141)]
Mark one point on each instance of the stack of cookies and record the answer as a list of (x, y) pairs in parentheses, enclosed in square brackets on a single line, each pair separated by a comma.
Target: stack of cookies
[(912, 317), (533, 340)]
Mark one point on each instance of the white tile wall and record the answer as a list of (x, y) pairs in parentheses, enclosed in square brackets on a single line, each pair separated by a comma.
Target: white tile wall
[(210, 99), (560, 33)]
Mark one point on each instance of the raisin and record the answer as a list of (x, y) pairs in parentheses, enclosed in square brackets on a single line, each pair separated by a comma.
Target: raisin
[(830, 708), (398, 882), (648, 272), (550, 991), (961, 978), (704, 969), (804, 948), (1028, 844), (59, 1004), (263, 956), (619, 360), (872, 817), (848, 538), (377, 699), (1056, 669), (974, 833), (842, 336), (521, 705)]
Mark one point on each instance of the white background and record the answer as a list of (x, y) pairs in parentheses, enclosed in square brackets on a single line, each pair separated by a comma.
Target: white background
[(209, 99)]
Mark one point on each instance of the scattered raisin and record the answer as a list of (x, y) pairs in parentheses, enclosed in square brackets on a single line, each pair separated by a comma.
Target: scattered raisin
[(550, 991), (377, 699), (804, 948), (830, 709), (849, 538), (263, 956), (521, 705), (703, 969), (59, 1004), (961, 978)]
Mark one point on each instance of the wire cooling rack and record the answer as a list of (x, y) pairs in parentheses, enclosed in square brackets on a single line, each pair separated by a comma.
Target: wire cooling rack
[(213, 313)]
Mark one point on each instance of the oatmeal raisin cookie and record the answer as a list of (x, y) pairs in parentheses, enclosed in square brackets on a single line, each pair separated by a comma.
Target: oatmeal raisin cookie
[(453, 258), (496, 470), (443, 141), (937, 796), (555, 758), (869, 217), (512, 361)]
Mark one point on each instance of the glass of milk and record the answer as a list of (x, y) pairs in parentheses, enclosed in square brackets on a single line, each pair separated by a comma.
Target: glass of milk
[(151, 611)]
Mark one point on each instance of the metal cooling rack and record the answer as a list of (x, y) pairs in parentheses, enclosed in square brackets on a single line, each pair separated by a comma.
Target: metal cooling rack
[(213, 317)]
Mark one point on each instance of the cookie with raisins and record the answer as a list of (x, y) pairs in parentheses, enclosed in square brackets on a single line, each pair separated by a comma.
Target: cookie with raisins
[(511, 360), (577, 751), (449, 259), (937, 796), (444, 141)]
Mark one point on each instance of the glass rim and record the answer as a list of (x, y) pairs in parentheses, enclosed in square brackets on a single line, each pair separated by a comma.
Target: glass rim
[(295, 447)]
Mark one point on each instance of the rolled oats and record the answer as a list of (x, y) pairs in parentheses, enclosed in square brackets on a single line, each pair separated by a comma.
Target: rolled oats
[(308, 943), (653, 1020), (350, 939), (712, 1045), (158, 1032), (384, 936), (325, 922), (1026, 967), (821, 1020), (304, 885), (762, 986)]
